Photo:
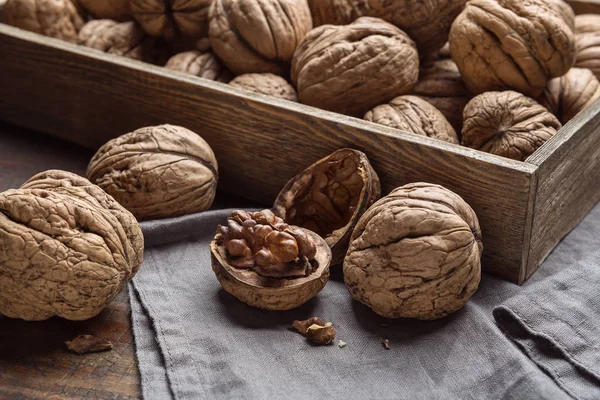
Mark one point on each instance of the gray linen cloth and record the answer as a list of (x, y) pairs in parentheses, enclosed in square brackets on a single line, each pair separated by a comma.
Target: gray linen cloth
[(193, 340)]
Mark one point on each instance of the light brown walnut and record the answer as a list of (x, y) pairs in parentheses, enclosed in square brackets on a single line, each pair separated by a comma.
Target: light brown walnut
[(587, 41), (415, 254), (507, 124), (258, 35), (267, 83), (157, 172), (204, 65), (117, 10), (353, 68), (61, 19), (172, 18), (67, 248), (513, 44), (415, 115), (337, 12)]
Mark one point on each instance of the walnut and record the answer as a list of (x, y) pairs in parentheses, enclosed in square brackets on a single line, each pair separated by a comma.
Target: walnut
[(117, 10), (329, 197), (316, 330), (258, 36), (566, 96), (171, 18), (66, 248), (267, 83), (266, 263), (204, 65), (351, 69), (84, 344), (415, 115), (587, 41), (61, 19), (337, 12), (125, 39), (157, 172), (415, 254), (441, 85), (512, 44), (508, 124)]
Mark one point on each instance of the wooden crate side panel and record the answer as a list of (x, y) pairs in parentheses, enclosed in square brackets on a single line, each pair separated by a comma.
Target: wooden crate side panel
[(259, 142)]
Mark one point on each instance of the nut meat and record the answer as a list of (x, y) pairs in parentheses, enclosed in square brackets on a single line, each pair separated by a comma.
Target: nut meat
[(203, 65), (172, 18), (269, 84), (117, 10), (415, 254), (587, 41)]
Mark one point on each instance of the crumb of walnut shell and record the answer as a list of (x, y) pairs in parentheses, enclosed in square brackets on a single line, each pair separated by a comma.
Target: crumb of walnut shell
[(316, 330), (204, 65), (172, 18), (61, 19), (117, 10), (507, 124), (267, 83), (587, 41), (84, 344)]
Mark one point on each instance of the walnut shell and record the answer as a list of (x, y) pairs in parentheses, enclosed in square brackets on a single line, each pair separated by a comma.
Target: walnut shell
[(66, 248), (271, 293), (117, 10), (587, 41), (508, 124), (415, 115), (171, 18), (512, 44), (258, 36), (337, 12), (566, 96), (269, 84), (329, 197), (157, 172), (415, 254), (353, 68), (203, 65), (61, 19)]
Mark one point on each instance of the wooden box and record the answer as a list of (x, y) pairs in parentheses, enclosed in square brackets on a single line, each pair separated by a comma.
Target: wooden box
[(88, 97)]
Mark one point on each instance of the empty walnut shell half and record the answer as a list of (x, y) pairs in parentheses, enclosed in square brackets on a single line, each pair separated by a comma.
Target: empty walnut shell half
[(415, 115), (157, 172), (258, 36), (415, 254), (507, 124), (172, 18), (67, 248), (566, 96), (267, 263), (117, 10), (329, 197), (587, 41), (513, 44), (204, 65), (61, 19), (269, 84)]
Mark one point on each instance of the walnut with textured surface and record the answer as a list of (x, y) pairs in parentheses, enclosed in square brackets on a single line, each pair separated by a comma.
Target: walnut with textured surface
[(66, 248), (587, 41), (266, 263), (267, 83), (204, 65), (353, 68), (415, 115), (157, 172), (415, 254), (117, 10), (507, 124), (172, 18), (337, 12)]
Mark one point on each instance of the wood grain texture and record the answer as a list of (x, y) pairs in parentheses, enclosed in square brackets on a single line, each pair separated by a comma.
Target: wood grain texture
[(585, 6)]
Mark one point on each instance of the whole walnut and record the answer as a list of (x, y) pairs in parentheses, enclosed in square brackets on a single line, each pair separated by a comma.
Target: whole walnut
[(125, 39), (566, 96), (507, 124), (205, 65), (172, 18), (61, 19), (415, 254), (415, 115), (337, 12), (117, 10), (267, 83), (258, 36), (587, 41), (67, 248), (157, 172), (353, 68), (513, 44)]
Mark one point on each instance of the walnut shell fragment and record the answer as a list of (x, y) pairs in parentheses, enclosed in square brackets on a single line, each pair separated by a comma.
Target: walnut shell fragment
[(566, 96), (315, 330), (268, 84), (66, 248), (61, 19), (268, 264), (415, 115), (84, 344), (117, 10), (329, 197), (258, 36), (415, 254), (157, 172), (507, 124), (172, 18), (513, 44), (587, 41), (204, 65), (353, 68)]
